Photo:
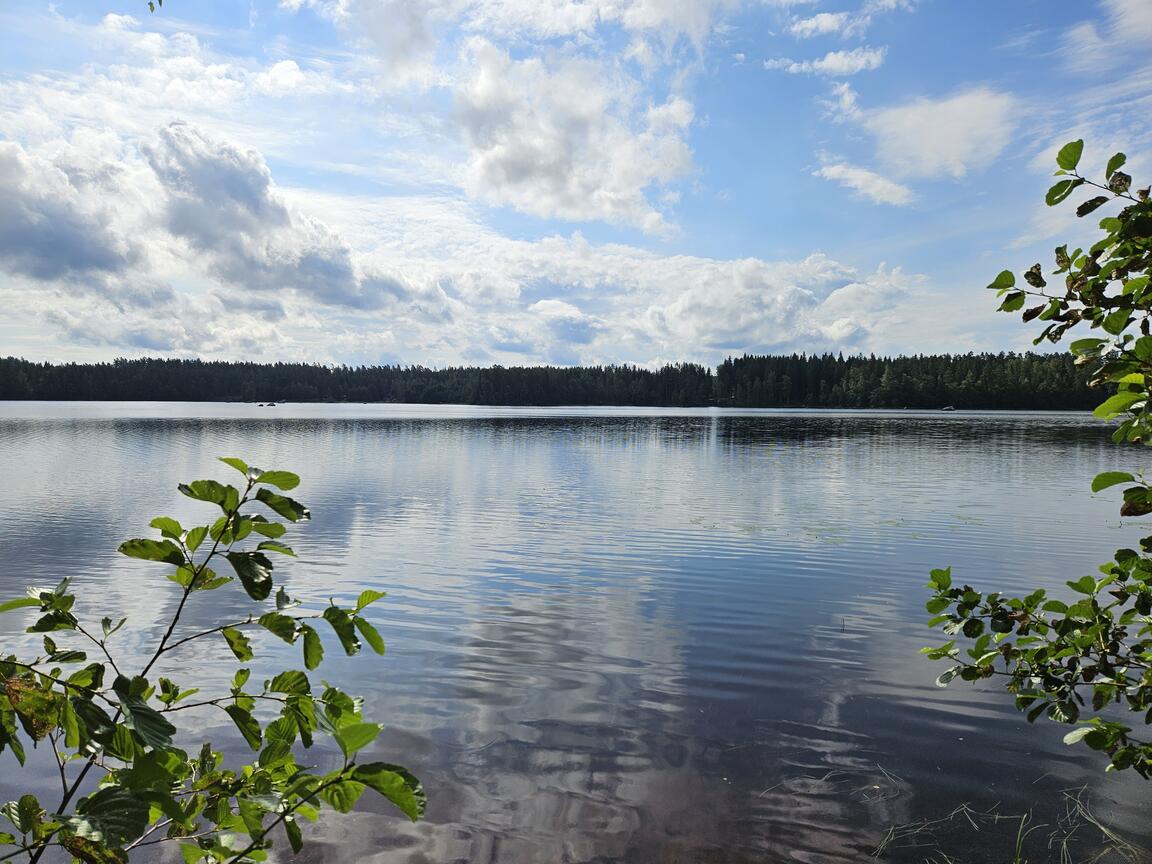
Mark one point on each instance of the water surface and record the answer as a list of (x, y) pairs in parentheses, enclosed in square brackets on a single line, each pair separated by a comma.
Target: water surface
[(622, 635)]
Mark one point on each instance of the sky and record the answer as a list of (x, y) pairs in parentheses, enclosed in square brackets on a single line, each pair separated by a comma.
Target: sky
[(446, 182)]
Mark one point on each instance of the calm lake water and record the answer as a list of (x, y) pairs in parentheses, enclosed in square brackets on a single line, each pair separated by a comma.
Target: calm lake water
[(623, 635)]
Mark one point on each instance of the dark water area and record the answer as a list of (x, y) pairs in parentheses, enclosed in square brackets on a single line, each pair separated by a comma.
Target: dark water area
[(623, 635)]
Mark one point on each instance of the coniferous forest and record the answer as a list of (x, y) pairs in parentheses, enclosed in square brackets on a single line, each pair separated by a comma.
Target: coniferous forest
[(992, 381)]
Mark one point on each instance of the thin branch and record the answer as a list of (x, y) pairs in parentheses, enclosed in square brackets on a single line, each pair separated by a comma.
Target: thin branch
[(220, 699), (102, 646), (170, 839), (251, 619), (163, 823), (1107, 189), (30, 848), (203, 633), (256, 844), (59, 762)]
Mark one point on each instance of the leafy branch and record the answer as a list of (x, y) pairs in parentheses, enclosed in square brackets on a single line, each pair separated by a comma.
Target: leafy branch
[(1088, 661), (152, 791)]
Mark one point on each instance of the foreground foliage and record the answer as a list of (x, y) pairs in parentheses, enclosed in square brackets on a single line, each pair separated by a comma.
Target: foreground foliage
[(126, 780), (1088, 661)]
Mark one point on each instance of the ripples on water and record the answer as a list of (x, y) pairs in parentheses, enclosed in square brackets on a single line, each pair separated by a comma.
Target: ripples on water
[(625, 636)]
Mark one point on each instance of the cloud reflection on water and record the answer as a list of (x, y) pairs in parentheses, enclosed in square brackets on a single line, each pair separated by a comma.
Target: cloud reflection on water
[(622, 638)]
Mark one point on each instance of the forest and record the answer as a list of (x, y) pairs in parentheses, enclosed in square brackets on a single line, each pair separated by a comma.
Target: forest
[(993, 381)]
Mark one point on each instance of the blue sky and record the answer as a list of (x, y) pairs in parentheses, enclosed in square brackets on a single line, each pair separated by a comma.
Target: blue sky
[(509, 181)]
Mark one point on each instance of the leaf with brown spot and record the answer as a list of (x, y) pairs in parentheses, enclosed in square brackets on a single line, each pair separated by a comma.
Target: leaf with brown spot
[(35, 706), (91, 852)]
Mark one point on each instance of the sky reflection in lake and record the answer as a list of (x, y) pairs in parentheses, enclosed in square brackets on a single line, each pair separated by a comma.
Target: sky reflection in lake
[(614, 635)]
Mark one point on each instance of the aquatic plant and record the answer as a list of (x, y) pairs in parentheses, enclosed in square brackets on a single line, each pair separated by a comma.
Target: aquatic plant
[(130, 777)]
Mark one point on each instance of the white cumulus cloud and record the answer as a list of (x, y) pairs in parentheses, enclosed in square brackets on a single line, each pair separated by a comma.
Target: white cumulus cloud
[(820, 24), (571, 138), (868, 183), (834, 63), (949, 136)]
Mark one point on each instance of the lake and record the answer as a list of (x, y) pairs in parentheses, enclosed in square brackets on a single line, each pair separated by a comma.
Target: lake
[(624, 635)]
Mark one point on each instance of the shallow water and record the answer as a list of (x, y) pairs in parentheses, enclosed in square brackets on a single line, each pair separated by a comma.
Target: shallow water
[(624, 635)]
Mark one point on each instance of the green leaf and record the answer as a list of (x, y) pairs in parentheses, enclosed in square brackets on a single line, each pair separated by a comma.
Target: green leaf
[(1091, 204), (1135, 285), (295, 837), (96, 721), (1004, 280), (1111, 478), (302, 711), (247, 725), (277, 751), (153, 550), (255, 572), (1013, 302), (67, 656), (285, 480), (291, 510), (23, 813), (70, 723), (22, 603), (343, 795), (53, 621), (941, 578), (239, 464), (269, 529), (1115, 164), (1087, 346), (196, 537), (1069, 156), (972, 628), (240, 644), (367, 597), (279, 625), (1083, 585), (1078, 734), (936, 605), (150, 725), (272, 546), (396, 784), (370, 634), (1115, 322), (344, 629), (109, 628), (291, 681), (252, 815), (35, 706), (1061, 191), (313, 647), (1117, 404), (946, 676), (356, 736), (111, 815), (226, 497), (168, 527)]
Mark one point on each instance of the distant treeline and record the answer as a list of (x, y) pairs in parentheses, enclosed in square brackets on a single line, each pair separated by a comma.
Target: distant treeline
[(1007, 381)]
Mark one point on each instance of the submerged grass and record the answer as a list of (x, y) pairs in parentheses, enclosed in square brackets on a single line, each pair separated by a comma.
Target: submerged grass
[(1076, 836)]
